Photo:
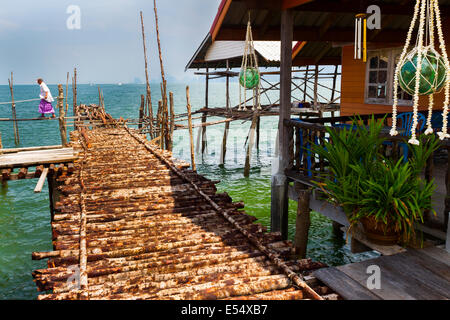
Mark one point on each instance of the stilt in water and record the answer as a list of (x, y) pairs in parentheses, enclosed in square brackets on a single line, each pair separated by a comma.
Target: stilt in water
[(148, 92), (172, 120), (141, 111), (191, 138), (251, 141), (62, 115), (303, 220), (74, 90), (204, 141), (13, 109)]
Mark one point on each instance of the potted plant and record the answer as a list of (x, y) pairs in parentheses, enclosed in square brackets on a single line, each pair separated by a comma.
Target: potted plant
[(388, 197)]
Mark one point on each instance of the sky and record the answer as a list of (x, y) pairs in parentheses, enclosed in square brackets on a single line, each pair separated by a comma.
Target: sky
[(107, 47)]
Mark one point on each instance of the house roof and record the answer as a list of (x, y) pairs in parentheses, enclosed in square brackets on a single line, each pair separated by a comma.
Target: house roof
[(322, 26), (215, 54)]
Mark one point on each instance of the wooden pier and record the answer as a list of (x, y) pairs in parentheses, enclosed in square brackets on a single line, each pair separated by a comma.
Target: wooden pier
[(132, 223), (413, 275)]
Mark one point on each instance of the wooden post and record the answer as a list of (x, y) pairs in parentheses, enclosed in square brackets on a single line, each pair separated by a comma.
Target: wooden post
[(74, 90), (447, 197), (258, 125), (67, 94), (141, 111), (164, 83), (62, 114), (305, 86), (148, 92), (227, 124), (172, 120), (251, 140), (191, 137), (13, 109), (334, 84), (204, 142), (316, 82), (303, 220), (1, 145), (279, 184)]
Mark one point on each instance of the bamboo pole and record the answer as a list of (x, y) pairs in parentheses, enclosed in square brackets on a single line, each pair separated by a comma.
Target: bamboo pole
[(74, 90), (204, 142), (67, 93), (62, 124), (164, 125), (13, 109), (148, 91), (188, 106), (172, 120), (141, 111)]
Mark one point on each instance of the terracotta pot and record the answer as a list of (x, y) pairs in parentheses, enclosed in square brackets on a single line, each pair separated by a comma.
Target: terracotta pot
[(380, 233)]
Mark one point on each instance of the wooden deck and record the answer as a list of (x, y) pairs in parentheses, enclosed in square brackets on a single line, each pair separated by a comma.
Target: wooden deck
[(129, 223), (413, 275)]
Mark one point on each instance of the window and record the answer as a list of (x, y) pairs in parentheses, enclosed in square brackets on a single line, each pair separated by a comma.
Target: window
[(380, 78)]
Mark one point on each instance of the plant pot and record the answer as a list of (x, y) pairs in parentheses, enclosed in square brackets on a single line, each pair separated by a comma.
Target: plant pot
[(379, 232)]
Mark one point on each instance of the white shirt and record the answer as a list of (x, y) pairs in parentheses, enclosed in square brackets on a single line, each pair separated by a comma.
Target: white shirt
[(45, 89)]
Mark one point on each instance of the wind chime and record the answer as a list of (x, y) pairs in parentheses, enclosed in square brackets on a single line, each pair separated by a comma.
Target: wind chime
[(361, 36), (423, 70), (249, 77)]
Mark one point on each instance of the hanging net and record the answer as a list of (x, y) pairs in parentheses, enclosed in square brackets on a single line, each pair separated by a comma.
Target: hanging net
[(423, 70), (249, 77)]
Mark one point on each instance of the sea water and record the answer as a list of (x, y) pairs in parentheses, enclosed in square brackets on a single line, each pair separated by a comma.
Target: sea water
[(25, 217)]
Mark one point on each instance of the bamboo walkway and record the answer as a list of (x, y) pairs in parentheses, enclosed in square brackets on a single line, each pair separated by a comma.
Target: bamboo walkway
[(131, 223)]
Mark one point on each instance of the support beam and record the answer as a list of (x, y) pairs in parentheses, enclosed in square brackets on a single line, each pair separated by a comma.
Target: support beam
[(288, 4), (41, 181), (279, 199)]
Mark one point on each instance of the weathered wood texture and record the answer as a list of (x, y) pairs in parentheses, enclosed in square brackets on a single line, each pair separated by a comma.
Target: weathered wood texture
[(413, 275), (155, 230)]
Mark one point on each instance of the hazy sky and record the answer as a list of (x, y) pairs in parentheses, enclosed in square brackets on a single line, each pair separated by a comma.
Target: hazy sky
[(35, 40)]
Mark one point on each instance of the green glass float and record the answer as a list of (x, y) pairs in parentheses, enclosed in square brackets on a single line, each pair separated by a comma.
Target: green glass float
[(251, 76), (432, 76)]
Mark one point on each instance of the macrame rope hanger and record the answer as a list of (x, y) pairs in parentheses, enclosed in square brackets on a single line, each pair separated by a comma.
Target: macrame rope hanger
[(249, 77), (423, 70)]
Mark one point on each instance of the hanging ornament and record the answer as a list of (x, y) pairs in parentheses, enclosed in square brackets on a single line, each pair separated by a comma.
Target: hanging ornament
[(423, 70), (361, 36), (249, 77), (432, 72)]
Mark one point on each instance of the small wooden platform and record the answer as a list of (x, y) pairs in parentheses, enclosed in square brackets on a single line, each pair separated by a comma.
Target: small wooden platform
[(37, 157), (413, 275)]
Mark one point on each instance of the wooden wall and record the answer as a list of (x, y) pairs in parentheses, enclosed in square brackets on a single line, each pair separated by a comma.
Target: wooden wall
[(353, 85)]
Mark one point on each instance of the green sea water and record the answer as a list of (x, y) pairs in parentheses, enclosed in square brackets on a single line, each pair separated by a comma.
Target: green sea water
[(25, 217)]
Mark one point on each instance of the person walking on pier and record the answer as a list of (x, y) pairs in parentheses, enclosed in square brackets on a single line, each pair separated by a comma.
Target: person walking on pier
[(46, 100)]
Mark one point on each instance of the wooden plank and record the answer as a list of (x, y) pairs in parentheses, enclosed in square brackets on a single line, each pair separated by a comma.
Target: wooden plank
[(438, 254), (342, 284), (15, 150), (394, 285), (437, 267), (418, 275), (41, 181), (37, 157)]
